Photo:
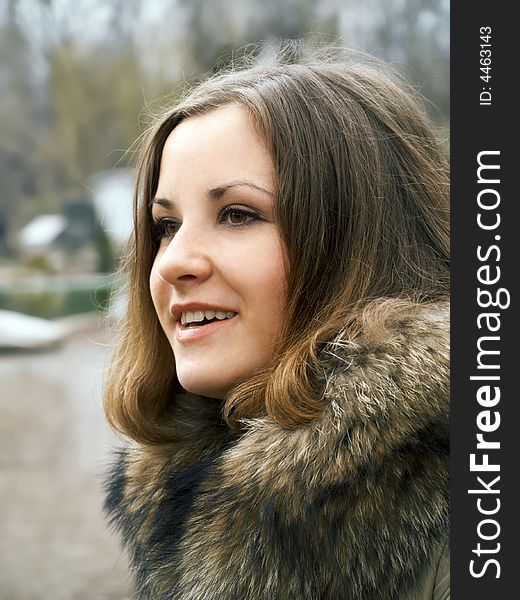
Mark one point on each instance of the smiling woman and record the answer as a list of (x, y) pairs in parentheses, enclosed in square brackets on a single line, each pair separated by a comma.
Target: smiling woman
[(219, 269), (283, 369)]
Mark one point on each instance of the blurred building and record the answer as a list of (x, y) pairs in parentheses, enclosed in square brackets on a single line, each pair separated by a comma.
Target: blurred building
[(65, 242), (112, 192), (89, 232)]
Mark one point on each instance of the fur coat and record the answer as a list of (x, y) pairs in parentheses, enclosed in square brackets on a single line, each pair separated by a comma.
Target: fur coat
[(354, 506)]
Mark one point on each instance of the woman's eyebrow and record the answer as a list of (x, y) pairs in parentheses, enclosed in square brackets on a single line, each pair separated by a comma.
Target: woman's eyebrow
[(164, 202), (215, 193), (219, 191)]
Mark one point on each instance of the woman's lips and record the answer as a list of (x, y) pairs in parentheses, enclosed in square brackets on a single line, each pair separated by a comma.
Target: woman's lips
[(187, 334)]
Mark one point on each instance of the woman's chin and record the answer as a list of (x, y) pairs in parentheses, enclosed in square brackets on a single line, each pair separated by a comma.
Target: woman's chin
[(203, 386)]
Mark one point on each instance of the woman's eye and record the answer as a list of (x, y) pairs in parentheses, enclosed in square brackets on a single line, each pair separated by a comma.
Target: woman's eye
[(237, 217), (165, 228)]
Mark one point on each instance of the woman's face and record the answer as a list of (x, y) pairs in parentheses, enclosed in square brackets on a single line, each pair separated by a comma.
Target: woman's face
[(218, 280)]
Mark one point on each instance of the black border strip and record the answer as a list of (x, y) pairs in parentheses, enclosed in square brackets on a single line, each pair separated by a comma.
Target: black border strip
[(481, 127)]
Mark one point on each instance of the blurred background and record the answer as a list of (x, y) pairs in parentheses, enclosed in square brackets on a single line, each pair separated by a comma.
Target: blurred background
[(77, 81)]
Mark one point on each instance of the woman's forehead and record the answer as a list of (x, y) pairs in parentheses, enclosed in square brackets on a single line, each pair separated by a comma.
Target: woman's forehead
[(215, 149)]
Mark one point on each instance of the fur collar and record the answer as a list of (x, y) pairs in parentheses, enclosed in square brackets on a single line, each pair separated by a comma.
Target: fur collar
[(353, 506)]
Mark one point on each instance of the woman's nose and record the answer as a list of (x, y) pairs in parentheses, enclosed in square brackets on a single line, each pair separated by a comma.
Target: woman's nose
[(185, 258)]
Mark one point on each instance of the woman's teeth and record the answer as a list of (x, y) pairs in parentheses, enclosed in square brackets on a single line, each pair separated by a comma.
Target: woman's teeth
[(199, 315)]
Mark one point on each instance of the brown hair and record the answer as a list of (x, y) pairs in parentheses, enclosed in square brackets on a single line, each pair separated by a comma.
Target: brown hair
[(362, 208)]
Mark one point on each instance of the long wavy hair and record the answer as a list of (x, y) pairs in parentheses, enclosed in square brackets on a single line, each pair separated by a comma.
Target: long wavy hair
[(362, 207)]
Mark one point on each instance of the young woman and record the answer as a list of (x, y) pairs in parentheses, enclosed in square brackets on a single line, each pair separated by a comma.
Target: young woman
[(284, 364)]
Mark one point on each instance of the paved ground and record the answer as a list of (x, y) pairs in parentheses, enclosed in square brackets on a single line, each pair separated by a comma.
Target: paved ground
[(54, 447)]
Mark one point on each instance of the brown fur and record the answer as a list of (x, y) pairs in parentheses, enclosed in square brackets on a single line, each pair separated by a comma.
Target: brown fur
[(354, 505)]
